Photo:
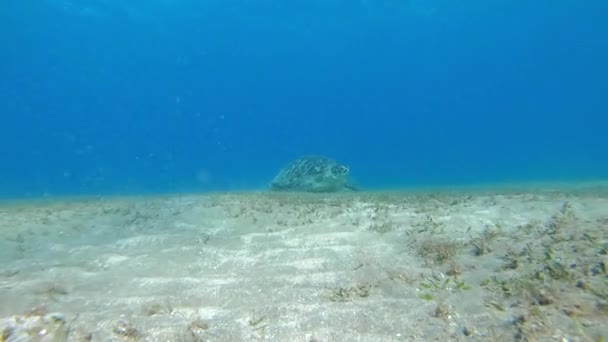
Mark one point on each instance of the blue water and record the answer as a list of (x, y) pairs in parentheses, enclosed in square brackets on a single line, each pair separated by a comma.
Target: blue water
[(116, 96)]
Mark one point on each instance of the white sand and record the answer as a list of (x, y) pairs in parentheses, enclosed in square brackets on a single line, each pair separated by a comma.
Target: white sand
[(273, 267)]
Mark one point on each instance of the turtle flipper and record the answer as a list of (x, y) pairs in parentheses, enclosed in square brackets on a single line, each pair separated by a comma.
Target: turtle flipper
[(351, 187)]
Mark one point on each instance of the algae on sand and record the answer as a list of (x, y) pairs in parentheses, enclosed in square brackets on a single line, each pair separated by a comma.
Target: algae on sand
[(510, 265)]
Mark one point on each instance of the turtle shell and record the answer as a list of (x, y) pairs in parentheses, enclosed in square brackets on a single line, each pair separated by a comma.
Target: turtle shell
[(312, 173)]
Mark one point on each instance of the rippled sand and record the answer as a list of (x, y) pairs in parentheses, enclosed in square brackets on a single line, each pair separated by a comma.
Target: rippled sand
[(484, 265)]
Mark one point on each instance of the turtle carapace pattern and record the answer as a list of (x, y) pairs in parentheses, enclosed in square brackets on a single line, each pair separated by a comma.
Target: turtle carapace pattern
[(313, 173)]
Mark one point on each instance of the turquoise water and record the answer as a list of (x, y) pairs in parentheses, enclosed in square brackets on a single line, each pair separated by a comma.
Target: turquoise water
[(138, 140), (108, 96)]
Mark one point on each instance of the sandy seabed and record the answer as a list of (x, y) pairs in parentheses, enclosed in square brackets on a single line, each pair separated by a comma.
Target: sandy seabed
[(527, 264)]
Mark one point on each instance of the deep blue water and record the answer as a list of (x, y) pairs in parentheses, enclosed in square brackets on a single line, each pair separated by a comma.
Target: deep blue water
[(105, 96)]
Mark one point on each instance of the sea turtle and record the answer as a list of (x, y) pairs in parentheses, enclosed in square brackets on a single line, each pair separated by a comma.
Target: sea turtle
[(312, 173)]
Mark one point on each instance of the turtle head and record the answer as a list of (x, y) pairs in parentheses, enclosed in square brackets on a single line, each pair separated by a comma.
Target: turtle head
[(339, 170)]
